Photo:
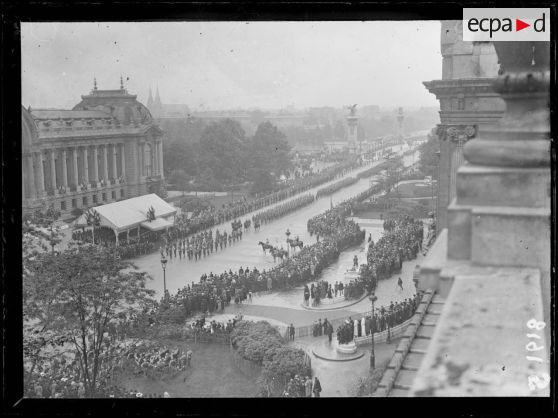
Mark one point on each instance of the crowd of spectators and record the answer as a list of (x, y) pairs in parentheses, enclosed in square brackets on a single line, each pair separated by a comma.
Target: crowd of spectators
[(127, 247), (401, 241), (384, 318)]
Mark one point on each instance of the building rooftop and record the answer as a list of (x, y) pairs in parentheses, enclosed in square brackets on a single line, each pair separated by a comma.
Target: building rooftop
[(46, 114)]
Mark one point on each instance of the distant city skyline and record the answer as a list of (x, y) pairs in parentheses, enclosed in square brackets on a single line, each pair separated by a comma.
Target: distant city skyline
[(234, 65)]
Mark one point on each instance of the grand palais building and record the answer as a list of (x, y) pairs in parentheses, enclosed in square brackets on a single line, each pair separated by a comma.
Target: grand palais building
[(107, 148)]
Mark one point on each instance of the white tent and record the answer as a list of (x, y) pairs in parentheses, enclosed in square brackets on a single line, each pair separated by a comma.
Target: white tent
[(132, 213)]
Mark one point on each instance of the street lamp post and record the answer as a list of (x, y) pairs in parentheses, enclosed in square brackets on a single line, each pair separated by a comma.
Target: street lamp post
[(438, 185), (164, 265), (373, 298)]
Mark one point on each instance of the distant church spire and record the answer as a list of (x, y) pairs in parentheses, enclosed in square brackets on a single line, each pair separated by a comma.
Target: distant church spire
[(157, 98), (94, 83), (157, 106), (150, 100), (121, 83)]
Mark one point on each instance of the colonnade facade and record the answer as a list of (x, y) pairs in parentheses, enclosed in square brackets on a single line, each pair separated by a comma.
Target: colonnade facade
[(467, 102), (83, 175)]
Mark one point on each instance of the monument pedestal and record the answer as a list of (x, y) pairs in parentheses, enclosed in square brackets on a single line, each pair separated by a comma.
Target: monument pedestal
[(349, 348), (333, 351)]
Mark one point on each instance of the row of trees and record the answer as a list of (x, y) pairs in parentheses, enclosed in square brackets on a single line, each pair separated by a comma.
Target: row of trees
[(224, 155)]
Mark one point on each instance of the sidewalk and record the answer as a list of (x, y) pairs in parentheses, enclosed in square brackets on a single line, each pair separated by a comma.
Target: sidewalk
[(338, 379)]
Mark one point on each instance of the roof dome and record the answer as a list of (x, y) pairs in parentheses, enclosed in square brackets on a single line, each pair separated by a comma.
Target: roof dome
[(117, 103)]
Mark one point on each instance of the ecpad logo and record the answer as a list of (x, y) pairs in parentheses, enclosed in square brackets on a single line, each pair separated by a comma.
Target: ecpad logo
[(505, 25), (528, 24)]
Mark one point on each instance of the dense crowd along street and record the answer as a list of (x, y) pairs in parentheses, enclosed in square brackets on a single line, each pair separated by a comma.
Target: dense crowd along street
[(384, 318), (215, 291), (245, 252)]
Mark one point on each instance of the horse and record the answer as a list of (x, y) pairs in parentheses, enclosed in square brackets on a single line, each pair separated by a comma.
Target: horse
[(294, 244), (265, 246), (256, 225), (247, 224), (278, 253)]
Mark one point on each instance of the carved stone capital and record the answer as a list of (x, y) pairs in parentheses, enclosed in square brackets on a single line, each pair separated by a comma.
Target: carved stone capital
[(456, 133)]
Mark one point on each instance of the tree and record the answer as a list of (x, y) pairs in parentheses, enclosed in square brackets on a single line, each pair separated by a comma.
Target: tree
[(77, 212), (428, 160), (180, 179), (257, 117), (221, 150), (40, 228), (93, 220), (180, 156), (269, 150), (263, 182), (394, 168), (80, 293)]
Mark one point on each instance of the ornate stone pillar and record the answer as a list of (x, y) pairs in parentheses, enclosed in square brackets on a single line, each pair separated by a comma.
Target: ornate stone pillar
[(114, 168), (458, 135), (41, 174), (85, 166), (52, 169), (75, 170), (161, 159), (105, 162), (141, 162), (122, 161), (32, 191), (64, 169), (155, 158), (95, 164)]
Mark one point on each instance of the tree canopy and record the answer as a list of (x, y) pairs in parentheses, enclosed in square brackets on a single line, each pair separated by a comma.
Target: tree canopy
[(428, 160), (76, 295), (223, 155)]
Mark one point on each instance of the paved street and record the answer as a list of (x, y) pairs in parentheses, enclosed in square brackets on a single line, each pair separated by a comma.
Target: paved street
[(247, 253), (284, 307)]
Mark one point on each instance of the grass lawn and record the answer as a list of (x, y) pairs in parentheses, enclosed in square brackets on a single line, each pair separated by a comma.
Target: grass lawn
[(416, 208), (414, 190), (211, 375), (218, 201)]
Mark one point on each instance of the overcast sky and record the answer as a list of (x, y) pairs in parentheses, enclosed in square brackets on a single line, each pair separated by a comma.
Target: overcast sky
[(229, 65)]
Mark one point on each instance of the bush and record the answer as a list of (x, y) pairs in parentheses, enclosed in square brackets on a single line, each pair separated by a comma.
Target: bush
[(285, 362), (77, 212), (193, 204), (366, 386), (255, 341), (169, 331), (261, 343)]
